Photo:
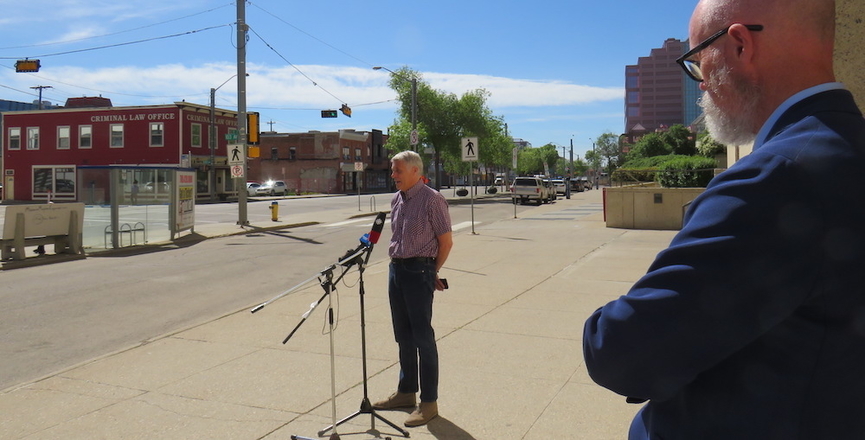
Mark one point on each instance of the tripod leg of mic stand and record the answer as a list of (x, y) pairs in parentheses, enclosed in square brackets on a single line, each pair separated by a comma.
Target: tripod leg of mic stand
[(374, 416), (365, 406)]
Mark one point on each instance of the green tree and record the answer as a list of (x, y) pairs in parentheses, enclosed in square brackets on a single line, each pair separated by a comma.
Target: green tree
[(529, 162), (650, 145), (680, 139), (707, 146), (443, 119), (594, 160), (607, 146)]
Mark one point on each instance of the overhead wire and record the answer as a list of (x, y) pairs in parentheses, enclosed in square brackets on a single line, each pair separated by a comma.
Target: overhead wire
[(315, 83), (292, 65), (56, 81), (51, 43), (310, 35), (117, 44)]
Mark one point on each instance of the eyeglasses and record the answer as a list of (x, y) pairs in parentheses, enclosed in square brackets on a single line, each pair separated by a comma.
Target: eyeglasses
[(692, 68)]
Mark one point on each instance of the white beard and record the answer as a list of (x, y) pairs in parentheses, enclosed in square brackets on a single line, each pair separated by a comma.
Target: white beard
[(735, 127)]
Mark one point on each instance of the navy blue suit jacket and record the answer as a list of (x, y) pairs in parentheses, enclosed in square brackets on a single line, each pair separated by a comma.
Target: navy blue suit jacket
[(751, 324)]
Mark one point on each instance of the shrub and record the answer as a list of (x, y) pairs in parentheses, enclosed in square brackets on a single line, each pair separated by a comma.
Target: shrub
[(641, 169), (685, 172)]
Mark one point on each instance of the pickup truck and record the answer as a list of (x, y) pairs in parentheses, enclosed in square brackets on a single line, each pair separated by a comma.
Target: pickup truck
[(525, 189)]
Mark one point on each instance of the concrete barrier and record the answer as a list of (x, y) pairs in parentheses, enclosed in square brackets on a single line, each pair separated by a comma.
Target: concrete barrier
[(640, 207), (34, 225)]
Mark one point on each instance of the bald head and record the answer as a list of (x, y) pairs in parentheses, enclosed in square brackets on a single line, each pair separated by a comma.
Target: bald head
[(801, 19), (792, 52)]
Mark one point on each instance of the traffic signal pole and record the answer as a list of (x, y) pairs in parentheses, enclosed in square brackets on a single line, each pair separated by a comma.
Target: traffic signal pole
[(240, 183)]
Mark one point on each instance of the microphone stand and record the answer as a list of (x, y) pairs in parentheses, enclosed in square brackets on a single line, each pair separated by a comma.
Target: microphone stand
[(365, 405), (359, 256), (327, 283)]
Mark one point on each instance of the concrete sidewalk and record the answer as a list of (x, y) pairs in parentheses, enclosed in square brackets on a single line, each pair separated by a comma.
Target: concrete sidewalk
[(509, 333)]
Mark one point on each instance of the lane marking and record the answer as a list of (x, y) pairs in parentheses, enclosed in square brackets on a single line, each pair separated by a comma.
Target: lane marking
[(348, 222), (463, 225)]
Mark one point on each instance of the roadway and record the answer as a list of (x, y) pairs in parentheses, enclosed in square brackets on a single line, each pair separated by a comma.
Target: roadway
[(54, 317)]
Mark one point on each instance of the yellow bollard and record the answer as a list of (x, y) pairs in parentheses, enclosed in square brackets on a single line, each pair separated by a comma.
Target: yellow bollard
[(274, 211)]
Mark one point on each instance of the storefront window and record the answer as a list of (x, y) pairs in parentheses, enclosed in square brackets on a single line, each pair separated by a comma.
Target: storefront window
[(58, 181), (43, 180)]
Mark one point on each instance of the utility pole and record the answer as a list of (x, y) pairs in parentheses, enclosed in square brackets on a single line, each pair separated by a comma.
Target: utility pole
[(40, 93), (211, 180), (240, 184)]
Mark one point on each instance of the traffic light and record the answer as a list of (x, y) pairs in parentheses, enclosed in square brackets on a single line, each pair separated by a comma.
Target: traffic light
[(27, 65), (346, 110), (328, 113), (252, 128)]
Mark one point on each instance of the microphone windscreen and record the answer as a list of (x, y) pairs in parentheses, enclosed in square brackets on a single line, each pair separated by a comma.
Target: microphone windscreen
[(377, 227)]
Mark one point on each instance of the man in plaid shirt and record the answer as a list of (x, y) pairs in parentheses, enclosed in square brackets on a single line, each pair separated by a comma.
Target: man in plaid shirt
[(419, 246)]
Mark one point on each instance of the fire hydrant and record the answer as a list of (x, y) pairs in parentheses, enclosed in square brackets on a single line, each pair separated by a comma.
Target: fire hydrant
[(274, 211)]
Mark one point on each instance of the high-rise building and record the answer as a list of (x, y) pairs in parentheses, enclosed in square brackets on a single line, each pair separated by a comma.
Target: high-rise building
[(658, 93)]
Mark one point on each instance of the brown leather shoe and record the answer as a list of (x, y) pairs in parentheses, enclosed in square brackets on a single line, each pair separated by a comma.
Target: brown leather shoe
[(425, 412), (397, 400)]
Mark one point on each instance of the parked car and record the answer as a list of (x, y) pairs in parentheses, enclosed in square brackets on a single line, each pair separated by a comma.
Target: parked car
[(587, 184), (525, 189), (576, 185), (559, 184), (272, 188), (156, 187), (551, 190), (251, 187)]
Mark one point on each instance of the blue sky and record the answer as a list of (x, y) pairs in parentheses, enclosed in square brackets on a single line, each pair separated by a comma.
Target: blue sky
[(554, 68)]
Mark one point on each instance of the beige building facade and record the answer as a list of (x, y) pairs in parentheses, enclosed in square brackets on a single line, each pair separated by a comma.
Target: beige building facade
[(849, 58)]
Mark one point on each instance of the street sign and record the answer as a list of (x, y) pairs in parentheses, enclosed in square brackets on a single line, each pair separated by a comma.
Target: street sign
[(237, 171), (414, 137), (236, 154), (470, 149), (231, 136), (358, 166)]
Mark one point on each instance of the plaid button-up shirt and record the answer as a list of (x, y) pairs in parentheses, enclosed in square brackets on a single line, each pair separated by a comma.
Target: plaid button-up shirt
[(417, 217)]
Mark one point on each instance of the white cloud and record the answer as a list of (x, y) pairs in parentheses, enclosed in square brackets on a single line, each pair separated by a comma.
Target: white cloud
[(514, 92), (322, 86)]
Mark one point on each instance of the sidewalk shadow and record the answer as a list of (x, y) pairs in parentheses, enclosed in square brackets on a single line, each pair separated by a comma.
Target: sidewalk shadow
[(442, 428), (129, 251), (282, 233)]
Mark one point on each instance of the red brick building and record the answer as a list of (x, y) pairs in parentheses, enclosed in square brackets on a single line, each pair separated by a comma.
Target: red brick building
[(43, 149), (324, 162)]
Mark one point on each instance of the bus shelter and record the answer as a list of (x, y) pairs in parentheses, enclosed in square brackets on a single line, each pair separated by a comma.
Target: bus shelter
[(135, 205)]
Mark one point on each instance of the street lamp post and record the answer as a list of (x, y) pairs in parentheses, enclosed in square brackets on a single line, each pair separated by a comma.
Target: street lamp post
[(213, 133), (413, 81)]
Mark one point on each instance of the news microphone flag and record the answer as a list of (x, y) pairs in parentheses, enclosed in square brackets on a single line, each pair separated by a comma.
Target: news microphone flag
[(377, 227)]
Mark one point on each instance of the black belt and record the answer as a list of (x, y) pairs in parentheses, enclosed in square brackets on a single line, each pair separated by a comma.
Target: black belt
[(430, 260)]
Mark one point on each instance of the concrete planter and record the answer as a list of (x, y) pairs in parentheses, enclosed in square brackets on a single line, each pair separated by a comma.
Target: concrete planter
[(639, 207)]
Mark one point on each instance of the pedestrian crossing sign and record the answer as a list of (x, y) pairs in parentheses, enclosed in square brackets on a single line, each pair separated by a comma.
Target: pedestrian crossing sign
[(236, 154), (470, 149)]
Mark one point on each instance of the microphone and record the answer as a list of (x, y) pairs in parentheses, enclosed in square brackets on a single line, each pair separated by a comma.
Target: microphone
[(377, 226), (366, 240)]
